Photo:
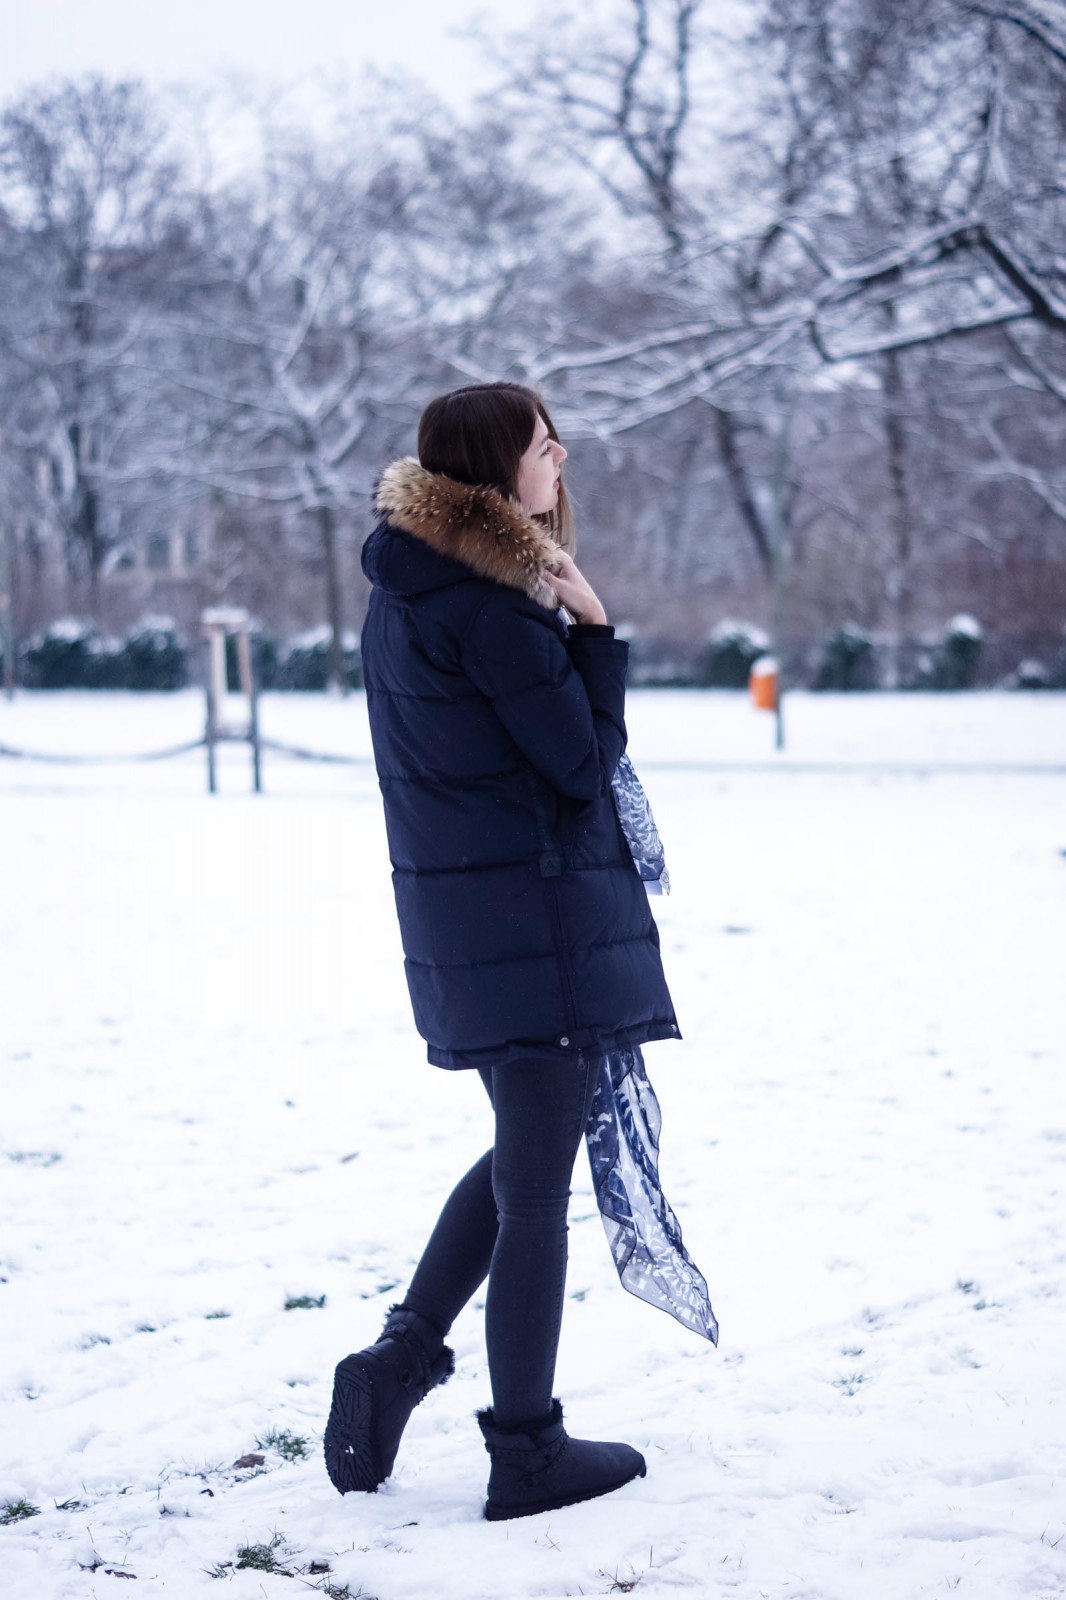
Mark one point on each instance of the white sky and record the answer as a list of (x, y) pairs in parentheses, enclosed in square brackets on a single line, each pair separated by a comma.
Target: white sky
[(281, 39)]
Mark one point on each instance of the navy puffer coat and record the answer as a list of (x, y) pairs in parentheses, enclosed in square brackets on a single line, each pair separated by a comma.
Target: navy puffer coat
[(496, 731)]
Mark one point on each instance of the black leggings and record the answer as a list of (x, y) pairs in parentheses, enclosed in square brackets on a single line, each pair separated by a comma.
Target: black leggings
[(506, 1220)]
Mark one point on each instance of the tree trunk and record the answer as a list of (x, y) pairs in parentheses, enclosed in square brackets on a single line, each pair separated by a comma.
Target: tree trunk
[(7, 606), (901, 546), (327, 533), (744, 499)]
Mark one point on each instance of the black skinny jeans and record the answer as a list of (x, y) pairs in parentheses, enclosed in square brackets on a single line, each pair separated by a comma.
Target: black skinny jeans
[(506, 1220)]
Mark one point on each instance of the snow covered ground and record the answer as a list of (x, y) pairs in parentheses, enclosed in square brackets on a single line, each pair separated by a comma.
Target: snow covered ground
[(215, 1102)]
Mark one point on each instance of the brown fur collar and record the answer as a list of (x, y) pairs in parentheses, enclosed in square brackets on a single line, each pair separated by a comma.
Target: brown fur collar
[(474, 524)]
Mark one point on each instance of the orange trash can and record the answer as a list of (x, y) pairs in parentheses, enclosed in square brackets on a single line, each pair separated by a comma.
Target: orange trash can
[(763, 684)]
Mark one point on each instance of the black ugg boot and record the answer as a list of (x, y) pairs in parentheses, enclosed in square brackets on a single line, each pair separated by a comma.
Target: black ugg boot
[(536, 1466), (374, 1393)]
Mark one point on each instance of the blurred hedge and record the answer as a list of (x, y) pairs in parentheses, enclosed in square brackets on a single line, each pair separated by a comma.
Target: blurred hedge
[(154, 655), (71, 654)]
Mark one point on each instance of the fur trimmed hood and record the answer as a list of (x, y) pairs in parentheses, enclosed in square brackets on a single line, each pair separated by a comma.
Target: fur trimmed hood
[(470, 523)]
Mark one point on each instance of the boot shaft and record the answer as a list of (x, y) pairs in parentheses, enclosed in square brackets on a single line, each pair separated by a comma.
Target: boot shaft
[(428, 1359)]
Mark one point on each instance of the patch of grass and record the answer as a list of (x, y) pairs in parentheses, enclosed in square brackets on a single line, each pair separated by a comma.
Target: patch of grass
[(17, 1511), (850, 1382), (263, 1557), (71, 1505), (290, 1446), (216, 1316), (35, 1158), (332, 1588), (304, 1302), (622, 1585), (94, 1338)]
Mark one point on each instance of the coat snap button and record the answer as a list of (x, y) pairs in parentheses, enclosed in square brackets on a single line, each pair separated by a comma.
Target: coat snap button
[(564, 1039)]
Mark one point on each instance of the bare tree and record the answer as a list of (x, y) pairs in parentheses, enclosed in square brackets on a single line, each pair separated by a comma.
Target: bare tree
[(903, 205), (88, 192), (282, 346)]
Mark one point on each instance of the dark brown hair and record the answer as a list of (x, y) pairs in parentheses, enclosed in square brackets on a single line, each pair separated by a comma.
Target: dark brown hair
[(479, 434)]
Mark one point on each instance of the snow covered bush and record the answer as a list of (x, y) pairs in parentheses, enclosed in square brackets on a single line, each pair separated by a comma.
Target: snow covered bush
[(62, 657), (957, 654), (304, 662), (58, 657), (846, 661), (107, 667), (1029, 674), (154, 656), (726, 659)]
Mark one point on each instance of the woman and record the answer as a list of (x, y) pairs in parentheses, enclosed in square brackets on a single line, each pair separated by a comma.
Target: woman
[(530, 948)]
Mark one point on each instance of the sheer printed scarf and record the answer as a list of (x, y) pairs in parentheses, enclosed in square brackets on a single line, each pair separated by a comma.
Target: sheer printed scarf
[(622, 1133)]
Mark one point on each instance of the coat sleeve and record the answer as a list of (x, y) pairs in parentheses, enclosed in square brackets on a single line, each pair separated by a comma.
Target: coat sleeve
[(562, 701)]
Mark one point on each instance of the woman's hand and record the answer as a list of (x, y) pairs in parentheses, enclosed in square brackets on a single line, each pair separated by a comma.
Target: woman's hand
[(574, 591)]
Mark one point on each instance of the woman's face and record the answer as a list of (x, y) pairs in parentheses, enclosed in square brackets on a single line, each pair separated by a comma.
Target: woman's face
[(538, 471)]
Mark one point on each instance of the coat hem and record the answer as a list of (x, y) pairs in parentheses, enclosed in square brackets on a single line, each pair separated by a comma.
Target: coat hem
[(586, 1041)]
